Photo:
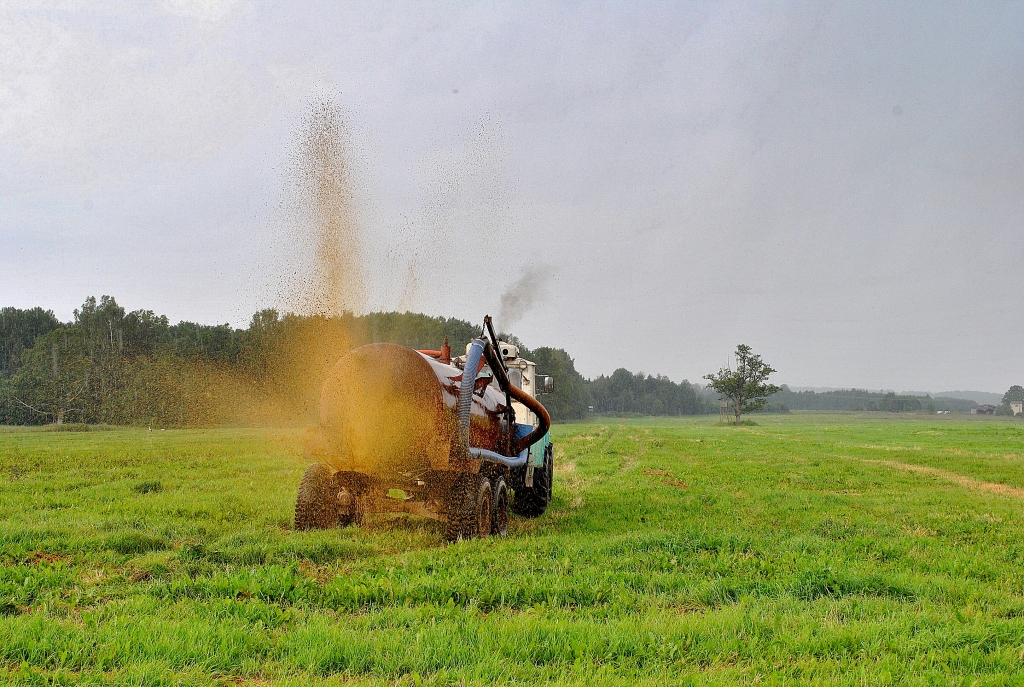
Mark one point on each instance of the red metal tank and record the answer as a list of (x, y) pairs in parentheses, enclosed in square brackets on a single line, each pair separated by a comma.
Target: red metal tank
[(388, 409)]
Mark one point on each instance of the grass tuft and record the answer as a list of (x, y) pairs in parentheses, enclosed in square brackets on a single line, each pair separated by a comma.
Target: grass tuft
[(826, 582), (148, 487), (134, 543), (67, 427)]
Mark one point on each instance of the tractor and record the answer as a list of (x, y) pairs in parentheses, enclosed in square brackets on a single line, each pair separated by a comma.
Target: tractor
[(462, 440)]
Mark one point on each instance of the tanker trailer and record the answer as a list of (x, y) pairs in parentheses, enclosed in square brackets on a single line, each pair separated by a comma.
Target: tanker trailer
[(403, 431)]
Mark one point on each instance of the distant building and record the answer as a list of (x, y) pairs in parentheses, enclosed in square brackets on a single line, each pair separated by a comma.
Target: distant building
[(1018, 407), (983, 409)]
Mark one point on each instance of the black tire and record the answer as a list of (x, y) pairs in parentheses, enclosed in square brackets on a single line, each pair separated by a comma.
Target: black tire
[(499, 509), (316, 507), (469, 507), (531, 502)]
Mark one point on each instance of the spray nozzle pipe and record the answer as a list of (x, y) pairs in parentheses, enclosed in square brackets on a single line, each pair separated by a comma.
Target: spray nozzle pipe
[(498, 363)]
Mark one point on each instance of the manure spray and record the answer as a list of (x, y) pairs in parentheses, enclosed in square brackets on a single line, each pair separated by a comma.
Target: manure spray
[(460, 439), (322, 185)]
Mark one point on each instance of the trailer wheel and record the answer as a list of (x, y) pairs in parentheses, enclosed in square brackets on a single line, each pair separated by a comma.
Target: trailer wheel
[(531, 502), (316, 506), (499, 512), (469, 507)]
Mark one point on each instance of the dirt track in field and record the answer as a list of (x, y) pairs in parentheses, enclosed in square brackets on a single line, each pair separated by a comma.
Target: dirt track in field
[(962, 480)]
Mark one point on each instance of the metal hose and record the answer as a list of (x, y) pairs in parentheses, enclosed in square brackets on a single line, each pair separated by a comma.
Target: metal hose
[(485, 454), (521, 448), (541, 413)]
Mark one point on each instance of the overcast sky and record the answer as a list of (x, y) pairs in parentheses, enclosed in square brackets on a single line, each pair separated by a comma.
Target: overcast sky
[(839, 185)]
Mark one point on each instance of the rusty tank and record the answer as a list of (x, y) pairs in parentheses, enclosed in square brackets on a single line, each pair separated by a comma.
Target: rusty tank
[(388, 409)]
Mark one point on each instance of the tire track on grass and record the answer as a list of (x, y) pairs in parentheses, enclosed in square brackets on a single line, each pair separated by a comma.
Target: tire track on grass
[(962, 480)]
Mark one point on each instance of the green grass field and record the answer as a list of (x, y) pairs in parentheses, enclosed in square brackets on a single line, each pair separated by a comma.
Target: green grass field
[(797, 551)]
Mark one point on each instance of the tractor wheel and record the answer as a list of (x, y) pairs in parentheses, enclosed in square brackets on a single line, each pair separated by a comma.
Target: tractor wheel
[(469, 507), (316, 507), (531, 502), (499, 511)]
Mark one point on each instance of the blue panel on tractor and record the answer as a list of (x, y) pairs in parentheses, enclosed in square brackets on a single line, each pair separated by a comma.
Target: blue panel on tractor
[(536, 458)]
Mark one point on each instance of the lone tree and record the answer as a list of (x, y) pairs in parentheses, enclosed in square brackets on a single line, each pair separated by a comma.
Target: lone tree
[(747, 386)]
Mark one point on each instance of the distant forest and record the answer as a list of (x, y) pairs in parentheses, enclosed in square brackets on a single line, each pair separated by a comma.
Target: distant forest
[(860, 400), (110, 366)]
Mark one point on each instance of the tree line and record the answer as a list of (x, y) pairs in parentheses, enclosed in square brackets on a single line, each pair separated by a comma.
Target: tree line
[(868, 401), (108, 365), (111, 366)]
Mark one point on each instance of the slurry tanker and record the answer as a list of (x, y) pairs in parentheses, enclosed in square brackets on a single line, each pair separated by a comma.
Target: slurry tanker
[(462, 440)]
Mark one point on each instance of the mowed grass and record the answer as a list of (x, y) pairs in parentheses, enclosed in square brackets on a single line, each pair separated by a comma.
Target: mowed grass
[(797, 551)]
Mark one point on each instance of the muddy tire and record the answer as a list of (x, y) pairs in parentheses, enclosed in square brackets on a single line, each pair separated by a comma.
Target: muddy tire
[(531, 502), (316, 507), (499, 509), (469, 508)]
